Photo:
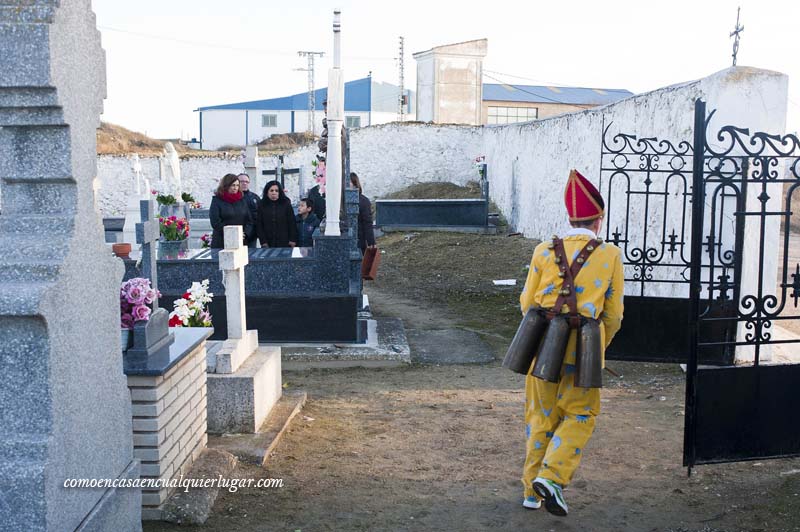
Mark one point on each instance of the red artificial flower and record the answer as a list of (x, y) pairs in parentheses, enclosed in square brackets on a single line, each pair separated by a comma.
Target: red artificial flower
[(175, 321), (186, 296)]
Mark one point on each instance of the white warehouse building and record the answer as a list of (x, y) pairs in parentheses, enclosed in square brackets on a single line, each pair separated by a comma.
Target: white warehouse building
[(366, 102)]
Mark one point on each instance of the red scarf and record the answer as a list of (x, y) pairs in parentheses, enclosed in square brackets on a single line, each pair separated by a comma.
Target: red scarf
[(231, 198)]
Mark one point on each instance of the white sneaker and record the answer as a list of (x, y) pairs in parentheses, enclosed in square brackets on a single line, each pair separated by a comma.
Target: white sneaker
[(551, 493), (532, 503)]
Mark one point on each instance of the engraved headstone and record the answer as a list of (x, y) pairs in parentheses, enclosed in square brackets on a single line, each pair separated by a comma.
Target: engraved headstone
[(66, 410)]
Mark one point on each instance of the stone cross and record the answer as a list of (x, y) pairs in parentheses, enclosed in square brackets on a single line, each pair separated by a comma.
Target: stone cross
[(232, 261), (147, 234)]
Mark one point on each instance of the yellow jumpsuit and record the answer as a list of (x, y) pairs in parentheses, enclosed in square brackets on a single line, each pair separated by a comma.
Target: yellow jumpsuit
[(559, 417)]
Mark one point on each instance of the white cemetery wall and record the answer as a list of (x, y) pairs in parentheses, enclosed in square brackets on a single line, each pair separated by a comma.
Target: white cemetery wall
[(528, 163)]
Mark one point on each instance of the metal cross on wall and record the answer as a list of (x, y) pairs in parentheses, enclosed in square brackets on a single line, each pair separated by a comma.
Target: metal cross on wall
[(735, 34), (147, 234)]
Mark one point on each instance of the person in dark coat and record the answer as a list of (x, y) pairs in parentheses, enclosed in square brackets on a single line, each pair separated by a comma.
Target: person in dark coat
[(366, 235), (307, 223), (252, 200), (319, 202), (275, 225), (228, 208)]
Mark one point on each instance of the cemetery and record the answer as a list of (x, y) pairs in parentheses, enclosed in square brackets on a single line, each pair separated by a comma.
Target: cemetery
[(381, 404)]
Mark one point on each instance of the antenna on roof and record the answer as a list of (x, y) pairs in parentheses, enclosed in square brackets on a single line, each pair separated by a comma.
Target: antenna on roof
[(311, 99), (735, 33)]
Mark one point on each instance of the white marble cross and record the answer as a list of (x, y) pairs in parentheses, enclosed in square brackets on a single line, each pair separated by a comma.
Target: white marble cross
[(147, 234), (232, 261)]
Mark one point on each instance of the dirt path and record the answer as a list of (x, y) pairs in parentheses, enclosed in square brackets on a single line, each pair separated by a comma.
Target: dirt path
[(439, 448)]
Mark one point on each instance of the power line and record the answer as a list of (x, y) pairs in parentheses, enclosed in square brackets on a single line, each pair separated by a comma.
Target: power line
[(227, 47), (551, 83)]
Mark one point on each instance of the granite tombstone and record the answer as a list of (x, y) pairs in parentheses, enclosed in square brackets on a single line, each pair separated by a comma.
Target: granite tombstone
[(59, 286)]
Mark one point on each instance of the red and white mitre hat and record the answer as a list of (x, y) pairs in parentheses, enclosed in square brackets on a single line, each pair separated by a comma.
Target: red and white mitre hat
[(584, 202)]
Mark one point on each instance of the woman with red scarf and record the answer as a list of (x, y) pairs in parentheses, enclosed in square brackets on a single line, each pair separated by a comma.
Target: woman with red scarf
[(228, 208)]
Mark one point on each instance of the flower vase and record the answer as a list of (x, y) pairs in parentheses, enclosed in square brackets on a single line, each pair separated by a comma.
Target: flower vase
[(125, 337), (172, 249)]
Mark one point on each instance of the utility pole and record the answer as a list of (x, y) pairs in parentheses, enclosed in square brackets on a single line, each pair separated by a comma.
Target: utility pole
[(401, 111), (735, 34), (311, 99)]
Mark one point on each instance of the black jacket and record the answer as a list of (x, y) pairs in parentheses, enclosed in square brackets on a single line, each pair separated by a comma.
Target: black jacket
[(252, 200), (222, 213), (319, 202), (366, 235), (276, 226), (305, 229)]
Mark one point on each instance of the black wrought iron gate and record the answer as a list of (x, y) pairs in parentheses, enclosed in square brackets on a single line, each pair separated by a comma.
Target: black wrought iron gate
[(647, 183), (744, 292)]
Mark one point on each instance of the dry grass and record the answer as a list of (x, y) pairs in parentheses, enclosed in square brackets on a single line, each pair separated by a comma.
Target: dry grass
[(438, 190), (117, 140)]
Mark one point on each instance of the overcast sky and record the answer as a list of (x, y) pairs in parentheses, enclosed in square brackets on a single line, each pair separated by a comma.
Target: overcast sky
[(166, 58)]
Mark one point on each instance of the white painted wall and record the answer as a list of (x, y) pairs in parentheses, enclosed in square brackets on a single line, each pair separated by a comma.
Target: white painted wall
[(528, 163), (426, 68)]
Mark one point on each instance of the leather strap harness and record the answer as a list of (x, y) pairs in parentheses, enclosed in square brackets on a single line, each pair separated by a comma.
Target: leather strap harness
[(566, 294)]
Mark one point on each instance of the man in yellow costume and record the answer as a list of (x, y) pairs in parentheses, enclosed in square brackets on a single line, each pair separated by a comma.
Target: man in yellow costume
[(559, 416)]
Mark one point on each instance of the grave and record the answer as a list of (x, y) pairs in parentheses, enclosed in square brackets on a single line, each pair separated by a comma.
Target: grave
[(462, 215), (244, 381), (292, 294), (59, 301), (166, 372)]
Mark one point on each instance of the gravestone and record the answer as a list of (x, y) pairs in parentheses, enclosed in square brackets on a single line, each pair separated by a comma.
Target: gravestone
[(151, 335), (240, 343), (66, 410), (244, 381), (141, 190)]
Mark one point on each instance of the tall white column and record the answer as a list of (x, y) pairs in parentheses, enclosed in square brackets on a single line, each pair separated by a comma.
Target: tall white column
[(333, 176)]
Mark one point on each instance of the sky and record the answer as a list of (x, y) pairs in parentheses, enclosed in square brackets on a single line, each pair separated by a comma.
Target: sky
[(166, 58)]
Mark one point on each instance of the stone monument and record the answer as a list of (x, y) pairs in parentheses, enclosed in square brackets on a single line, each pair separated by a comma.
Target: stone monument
[(170, 170), (244, 381), (66, 411), (140, 191), (333, 176)]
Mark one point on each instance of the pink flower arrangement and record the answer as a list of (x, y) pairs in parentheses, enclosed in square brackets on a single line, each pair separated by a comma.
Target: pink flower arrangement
[(134, 297), (174, 228), (205, 240), (320, 176)]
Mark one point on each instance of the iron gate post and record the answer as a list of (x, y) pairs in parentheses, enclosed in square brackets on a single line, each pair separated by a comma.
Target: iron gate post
[(695, 286)]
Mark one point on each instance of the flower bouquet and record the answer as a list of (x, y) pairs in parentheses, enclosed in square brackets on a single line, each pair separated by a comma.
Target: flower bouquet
[(205, 241), (320, 176), (190, 201), (164, 199), (480, 163), (134, 297), (191, 310), (174, 228)]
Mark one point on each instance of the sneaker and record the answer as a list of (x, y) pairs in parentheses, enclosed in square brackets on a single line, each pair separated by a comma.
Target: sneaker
[(551, 493), (532, 503)]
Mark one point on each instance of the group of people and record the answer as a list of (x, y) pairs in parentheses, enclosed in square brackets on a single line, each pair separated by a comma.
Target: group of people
[(270, 220)]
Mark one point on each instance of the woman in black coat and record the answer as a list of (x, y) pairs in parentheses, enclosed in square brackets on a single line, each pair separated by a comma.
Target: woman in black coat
[(228, 208), (366, 235), (276, 226)]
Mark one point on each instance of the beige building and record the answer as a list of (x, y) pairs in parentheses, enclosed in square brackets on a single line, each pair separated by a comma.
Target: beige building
[(450, 90), (449, 83)]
